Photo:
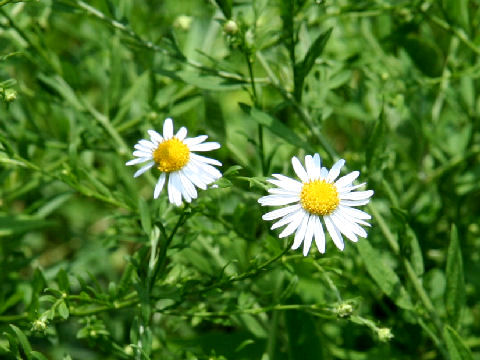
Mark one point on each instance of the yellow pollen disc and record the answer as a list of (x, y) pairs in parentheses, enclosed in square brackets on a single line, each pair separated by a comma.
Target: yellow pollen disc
[(171, 155), (319, 197)]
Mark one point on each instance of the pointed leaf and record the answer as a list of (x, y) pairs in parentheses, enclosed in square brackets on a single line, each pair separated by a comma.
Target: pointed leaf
[(455, 291), (457, 349), (21, 337)]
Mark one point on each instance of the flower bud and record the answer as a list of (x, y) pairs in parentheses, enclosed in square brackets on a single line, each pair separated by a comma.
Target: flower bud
[(344, 310), (230, 27), (384, 334), (10, 95)]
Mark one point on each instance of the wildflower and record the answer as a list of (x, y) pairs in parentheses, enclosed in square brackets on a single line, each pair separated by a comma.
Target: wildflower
[(318, 196), (173, 156)]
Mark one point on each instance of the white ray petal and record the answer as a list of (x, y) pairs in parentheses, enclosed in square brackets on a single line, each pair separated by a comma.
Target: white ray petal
[(347, 179), (356, 213), (140, 153), (168, 129), (310, 167), (210, 170), (143, 148), (187, 185), (354, 202), (323, 173), (286, 182), (159, 185), (205, 160), (148, 144), (175, 187), (357, 229), (138, 160), (309, 235), (194, 178), (319, 235), (344, 226), (299, 170), (277, 200), (143, 169), (334, 233), (155, 136), (195, 140), (358, 195), (300, 234), (181, 133), (288, 219), (294, 224), (208, 146), (275, 214), (181, 187), (317, 162), (348, 189), (280, 191), (335, 171)]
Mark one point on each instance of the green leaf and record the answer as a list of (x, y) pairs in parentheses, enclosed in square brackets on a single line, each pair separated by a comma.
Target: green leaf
[(226, 7), (63, 311), (276, 127), (384, 276), (58, 84), (14, 225), (145, 217), (375, 146), (27, 349), (425, 54), (457, 12), (457, 349), (455, 291), (63, 282), (38, 356), (303, 69), (416, 257)]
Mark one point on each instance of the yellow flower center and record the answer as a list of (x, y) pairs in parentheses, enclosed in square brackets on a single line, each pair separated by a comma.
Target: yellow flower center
[(171, 155), (319, 197)]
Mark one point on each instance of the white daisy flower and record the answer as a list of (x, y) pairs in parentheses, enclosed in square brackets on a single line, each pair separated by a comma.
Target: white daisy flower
[(315, 198), (174, 156)]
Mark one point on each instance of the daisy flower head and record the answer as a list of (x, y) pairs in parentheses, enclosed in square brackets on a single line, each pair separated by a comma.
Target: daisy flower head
[(317, 198), (173, 155)]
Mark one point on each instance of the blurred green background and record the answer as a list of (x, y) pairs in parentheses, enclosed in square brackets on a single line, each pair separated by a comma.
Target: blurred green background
[(390, 86)]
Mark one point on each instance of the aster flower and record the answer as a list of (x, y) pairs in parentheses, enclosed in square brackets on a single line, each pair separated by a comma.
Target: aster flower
[(315, 198), (173, 155)]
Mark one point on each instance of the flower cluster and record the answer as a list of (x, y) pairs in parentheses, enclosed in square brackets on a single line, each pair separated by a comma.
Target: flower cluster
[(319, 199)]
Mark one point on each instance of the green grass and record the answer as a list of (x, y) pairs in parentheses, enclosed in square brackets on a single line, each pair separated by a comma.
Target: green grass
[(92, 267)]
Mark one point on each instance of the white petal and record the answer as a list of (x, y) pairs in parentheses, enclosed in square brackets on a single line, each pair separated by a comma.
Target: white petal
[(299, 170), (168, 129), (138, 160), (174, 194), (335, 171), (359, 214), (353, 222), (347, 179), (143, 148), (195, 140), (310, 167), (187, 185), (347, 189), (282, 192), (210, 170), (181, 133), (319, 235), (147, 144), (208, 146), (181, 187), (317, 162), (193, 177), (275, 214), (323, 173), (294, 224), (139, 153), (155, 136), (277, 200), (344, 226), (358, 195), (309, 235), (300, 234), (334, 233), (286, 182), (354, 202), (205, 160), (159, 185), (143, 169), (288, 219)]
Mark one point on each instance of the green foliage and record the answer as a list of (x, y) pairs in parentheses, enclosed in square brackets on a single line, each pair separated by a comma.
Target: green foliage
[(92, 267)]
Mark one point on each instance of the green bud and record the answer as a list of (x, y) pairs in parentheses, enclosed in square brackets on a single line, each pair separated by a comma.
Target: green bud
[(230, 27), (10, 95), (384, 334), (344, 310)]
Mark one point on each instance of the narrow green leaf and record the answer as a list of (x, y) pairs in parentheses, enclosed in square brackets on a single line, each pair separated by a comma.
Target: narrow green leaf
[(27, 349), (63, 282), (375, 146), (384, 276), (457, 12), (425, 54), (145, 217), (455, 291), (38, 356), (226, 7), (58, 84), (315, 51), (276, 127), (416, 257), (457, 349)]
